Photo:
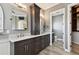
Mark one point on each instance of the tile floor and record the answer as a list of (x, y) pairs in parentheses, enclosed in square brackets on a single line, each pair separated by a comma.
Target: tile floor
[(56, 49)]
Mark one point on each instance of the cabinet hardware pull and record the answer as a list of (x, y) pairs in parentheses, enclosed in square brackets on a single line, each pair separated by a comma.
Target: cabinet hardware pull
[(25, 48)]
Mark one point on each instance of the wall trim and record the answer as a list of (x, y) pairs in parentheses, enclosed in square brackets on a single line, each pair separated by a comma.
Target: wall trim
[(69, 24), (76, 42)]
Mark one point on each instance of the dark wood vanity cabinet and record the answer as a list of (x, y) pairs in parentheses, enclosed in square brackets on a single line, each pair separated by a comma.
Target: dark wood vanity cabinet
[(20, 50), (35, 19), (21, 47), (25, 47), (75, 18), (53, 35), (31, 46)]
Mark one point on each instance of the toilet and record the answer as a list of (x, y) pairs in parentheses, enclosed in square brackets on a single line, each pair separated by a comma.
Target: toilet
[(55, 38)]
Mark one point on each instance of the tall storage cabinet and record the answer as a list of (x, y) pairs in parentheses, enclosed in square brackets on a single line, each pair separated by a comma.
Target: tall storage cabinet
[(35, 19)]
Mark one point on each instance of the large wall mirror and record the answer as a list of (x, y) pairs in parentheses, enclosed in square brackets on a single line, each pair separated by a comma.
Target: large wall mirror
[(1, 19), (19, 20)]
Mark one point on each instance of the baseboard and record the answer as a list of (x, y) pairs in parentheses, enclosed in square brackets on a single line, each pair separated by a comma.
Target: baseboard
[(58, 40), (75, 42), (67, 50), (50, 44)]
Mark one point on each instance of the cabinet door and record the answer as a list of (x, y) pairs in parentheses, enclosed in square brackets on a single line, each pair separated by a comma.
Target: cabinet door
[(35, 19), (20, 50), (46, 40), (53, 38), (37, 45), (31, 47), (27, 46), (42, 42), (20, 47)]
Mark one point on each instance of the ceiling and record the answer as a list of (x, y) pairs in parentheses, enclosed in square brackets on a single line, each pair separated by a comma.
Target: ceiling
[(46, 6)]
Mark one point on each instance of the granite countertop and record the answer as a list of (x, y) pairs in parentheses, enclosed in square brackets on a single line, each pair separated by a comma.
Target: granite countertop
[(27, 37), (14, 39)]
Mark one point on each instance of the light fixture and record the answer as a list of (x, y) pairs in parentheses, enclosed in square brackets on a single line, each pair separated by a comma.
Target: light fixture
[(41, 15), (20, 5)]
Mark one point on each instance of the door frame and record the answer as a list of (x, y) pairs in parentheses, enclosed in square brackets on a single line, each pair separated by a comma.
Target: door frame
[(69, 25), (58, 12)]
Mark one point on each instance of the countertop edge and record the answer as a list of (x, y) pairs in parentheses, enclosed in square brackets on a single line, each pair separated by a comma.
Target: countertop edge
[(23, 38), (32, 36)]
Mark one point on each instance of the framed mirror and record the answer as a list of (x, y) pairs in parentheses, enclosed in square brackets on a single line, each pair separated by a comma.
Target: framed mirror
[(20, 22)]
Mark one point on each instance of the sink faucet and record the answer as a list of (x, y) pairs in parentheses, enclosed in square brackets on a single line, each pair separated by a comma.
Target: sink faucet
[(20, 35)]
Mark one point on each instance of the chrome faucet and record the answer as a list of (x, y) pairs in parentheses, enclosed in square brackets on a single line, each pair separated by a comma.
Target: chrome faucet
[(20, 35)]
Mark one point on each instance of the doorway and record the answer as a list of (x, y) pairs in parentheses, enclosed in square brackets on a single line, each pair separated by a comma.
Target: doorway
[(57, 26), (73, 27)]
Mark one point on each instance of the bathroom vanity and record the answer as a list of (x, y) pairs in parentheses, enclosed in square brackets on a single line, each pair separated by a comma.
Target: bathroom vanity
[(26, 45), (20, 24), (29, 45)]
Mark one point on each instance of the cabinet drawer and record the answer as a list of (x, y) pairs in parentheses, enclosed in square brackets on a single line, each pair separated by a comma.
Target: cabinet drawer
[(20, 43)]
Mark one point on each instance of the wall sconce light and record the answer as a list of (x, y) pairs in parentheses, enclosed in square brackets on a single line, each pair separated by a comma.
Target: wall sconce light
[(42, 15)]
